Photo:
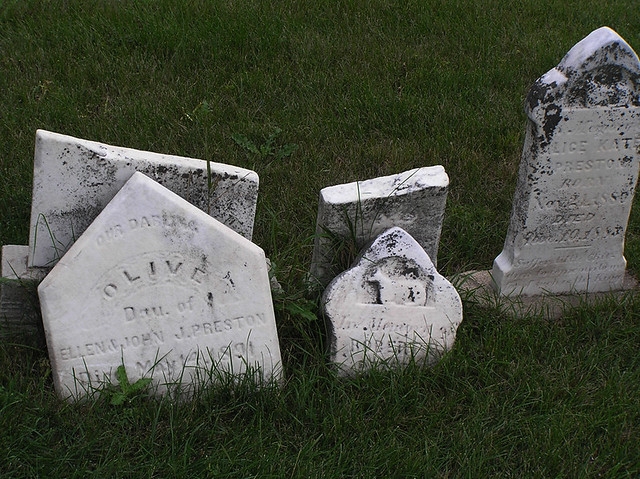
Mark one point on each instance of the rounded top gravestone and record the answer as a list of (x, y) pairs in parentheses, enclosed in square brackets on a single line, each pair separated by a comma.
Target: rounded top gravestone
[(391, 307), (578, 174)]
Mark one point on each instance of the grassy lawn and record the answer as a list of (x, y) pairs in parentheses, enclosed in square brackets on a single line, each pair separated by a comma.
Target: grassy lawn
[(363, 89)]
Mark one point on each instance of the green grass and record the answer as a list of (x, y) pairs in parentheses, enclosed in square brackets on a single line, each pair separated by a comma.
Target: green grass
[(364, 89)]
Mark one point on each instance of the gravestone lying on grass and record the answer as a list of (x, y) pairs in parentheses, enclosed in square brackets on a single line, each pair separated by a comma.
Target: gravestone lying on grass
[(353, 214), (578, 174), (391, 307), (175, 295), (74, 179)]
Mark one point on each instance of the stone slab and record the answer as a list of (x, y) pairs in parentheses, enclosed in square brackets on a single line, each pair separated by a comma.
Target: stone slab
[(174, 295), (74, 179), (390, 308), (577, 176), (20, 320), (479, 287), (355, 213)]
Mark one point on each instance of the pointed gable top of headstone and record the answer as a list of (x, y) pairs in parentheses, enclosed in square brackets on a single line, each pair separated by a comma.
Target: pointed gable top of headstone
[(160, 287)]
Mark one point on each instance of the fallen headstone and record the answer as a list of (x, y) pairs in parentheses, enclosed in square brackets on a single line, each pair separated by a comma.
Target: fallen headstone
[(578, 174), (74, 179), (390, 308), (355, 213), (173, 296)]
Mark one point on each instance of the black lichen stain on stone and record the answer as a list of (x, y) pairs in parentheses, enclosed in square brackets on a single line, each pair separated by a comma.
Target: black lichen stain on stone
[(391, 241), (544, 95), (552, 117), (615, 230), (412, 295), (210, 299), (538, 94), (409, 270), (605, 80), (96, 170), (626, 160), (378, 291)]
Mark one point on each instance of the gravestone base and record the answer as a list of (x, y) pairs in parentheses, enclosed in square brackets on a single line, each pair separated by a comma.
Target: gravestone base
[(20, 320), (479, 287)]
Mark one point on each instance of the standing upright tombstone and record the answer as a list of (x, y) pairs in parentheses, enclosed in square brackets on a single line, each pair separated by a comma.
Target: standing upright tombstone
[(578, 174), (74, 179), (175, 296), (392, 307)]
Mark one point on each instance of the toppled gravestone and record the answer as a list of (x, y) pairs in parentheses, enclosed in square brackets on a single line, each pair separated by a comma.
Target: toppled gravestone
[(174, 296), (390, 308), (74, 179), (355, 213)]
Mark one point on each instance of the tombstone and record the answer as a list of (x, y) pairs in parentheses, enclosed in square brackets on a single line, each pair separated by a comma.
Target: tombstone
[(19, 310), (173, 295), (390, 308), (577, 176), (355, 213), (74, 179)]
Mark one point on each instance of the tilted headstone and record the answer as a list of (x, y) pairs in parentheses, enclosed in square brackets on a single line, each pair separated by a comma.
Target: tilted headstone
[(355, 213), (578, 174), (74, 179), (174, 295), (391, 307)]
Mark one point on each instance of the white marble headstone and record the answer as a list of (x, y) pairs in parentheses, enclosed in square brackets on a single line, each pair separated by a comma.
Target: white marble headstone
[(578, 174), (172, 293), (74, 179), (391, 307), (358, 212)]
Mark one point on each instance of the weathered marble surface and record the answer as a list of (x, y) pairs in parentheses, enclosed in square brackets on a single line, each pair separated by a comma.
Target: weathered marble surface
[(74, 179), (391, 307), (20, 321), (357, 212), (578, 174), (158, 285)]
